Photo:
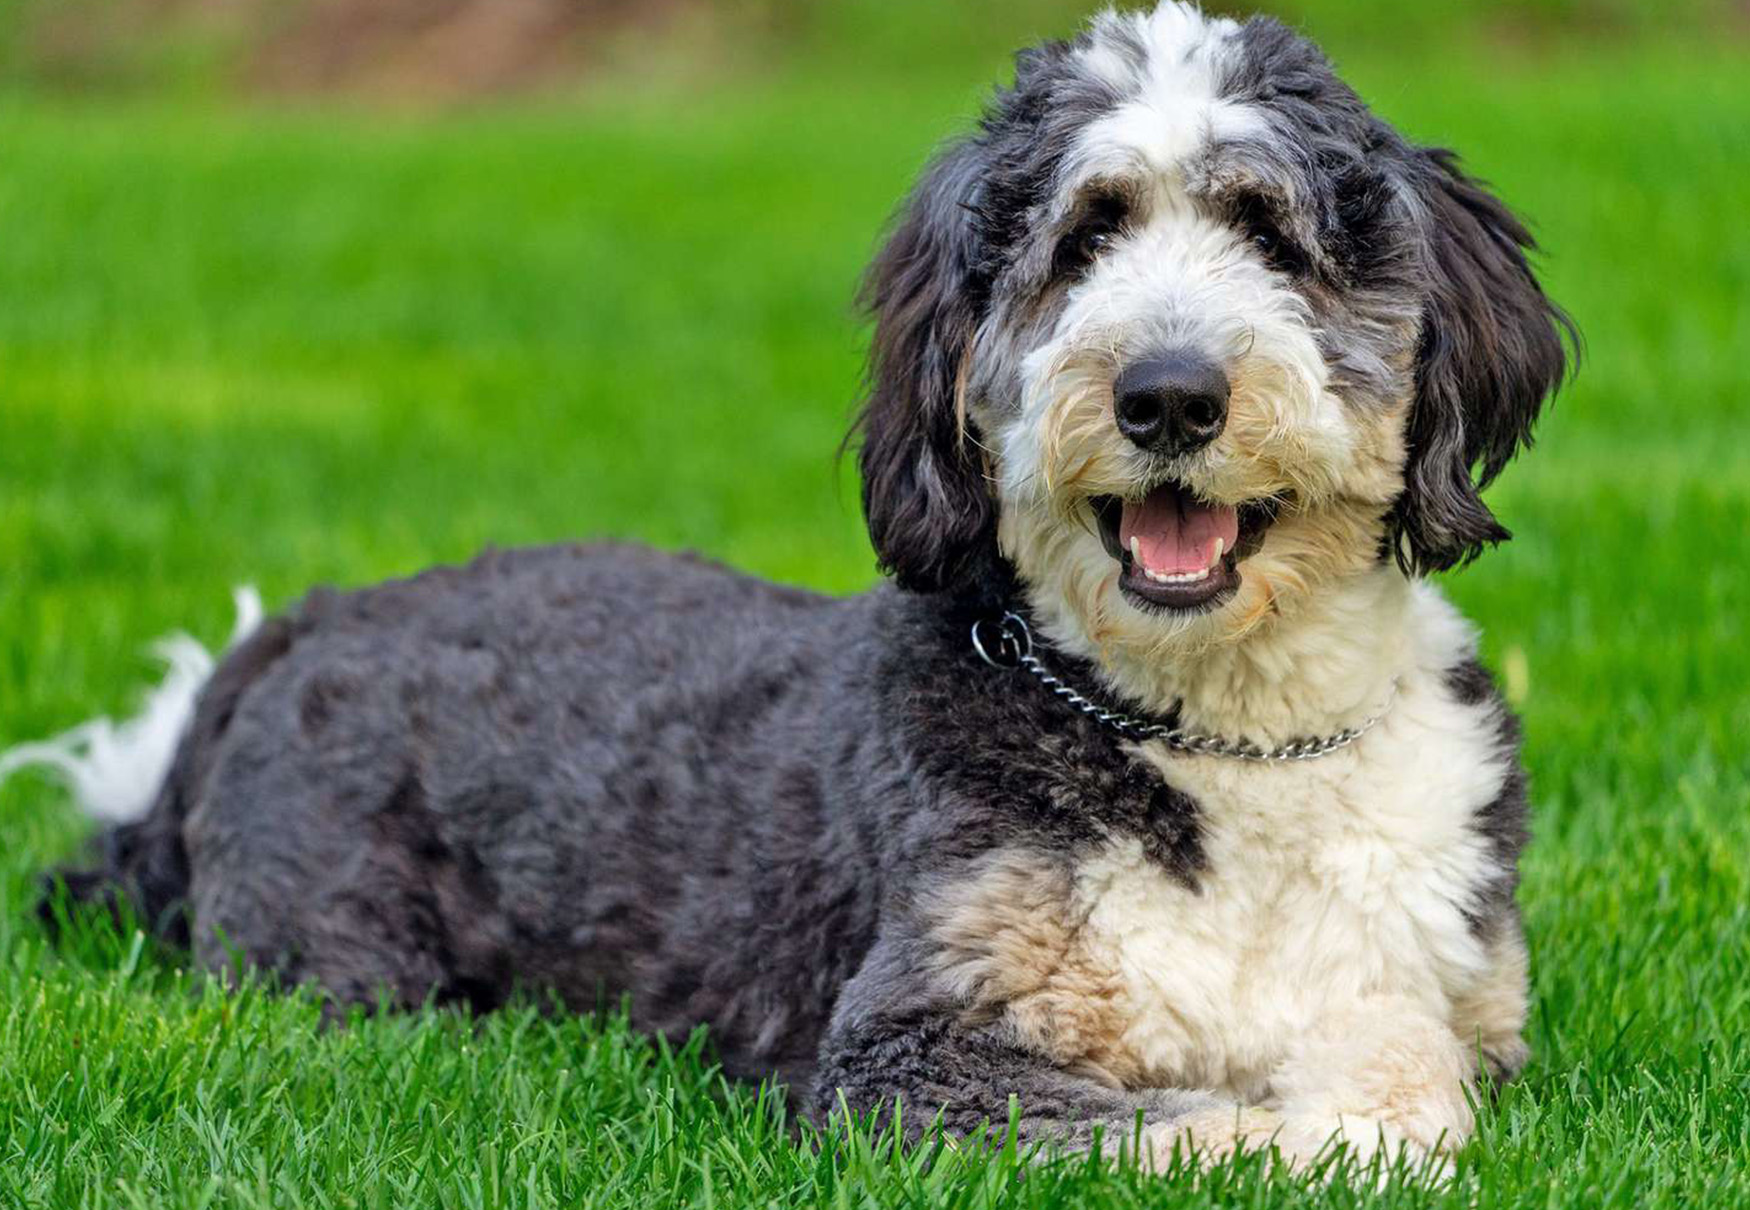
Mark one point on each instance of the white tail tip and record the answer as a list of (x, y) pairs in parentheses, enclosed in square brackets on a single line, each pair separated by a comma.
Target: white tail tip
[(114, 769)]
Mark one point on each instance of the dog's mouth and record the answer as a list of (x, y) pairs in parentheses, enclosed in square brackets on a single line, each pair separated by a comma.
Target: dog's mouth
[(1179, 552)]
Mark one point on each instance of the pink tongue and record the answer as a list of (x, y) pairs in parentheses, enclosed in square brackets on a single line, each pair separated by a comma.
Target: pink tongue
[(1176, 533)]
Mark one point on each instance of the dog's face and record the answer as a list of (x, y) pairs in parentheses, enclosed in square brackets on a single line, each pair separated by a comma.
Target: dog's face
[(1184, 335)]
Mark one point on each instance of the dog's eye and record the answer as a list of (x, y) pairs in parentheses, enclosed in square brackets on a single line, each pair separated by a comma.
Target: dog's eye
[(1093, 243), (1086, 244), (1278, 252)]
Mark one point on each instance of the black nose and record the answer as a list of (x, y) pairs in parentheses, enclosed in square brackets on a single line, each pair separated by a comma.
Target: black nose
[(1171, 404)]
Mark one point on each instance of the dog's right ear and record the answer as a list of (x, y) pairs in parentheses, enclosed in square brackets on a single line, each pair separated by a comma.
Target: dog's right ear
[(1491, 353), (931, 513)]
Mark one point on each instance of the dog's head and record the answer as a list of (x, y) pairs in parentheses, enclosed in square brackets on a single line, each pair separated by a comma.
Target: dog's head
[(1183, 335)]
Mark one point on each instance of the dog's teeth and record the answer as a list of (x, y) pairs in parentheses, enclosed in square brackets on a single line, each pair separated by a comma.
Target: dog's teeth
[(1176, 577), (1220, 545), (1170, 577)]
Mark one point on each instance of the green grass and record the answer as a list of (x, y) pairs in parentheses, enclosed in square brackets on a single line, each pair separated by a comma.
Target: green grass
[(326, 346)]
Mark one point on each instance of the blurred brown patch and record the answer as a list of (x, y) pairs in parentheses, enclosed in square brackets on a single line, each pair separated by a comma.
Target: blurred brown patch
[(421, 50), (437, 49)]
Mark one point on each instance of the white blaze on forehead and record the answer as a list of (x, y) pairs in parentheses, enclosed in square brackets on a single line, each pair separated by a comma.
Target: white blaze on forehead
[(1173, 104)]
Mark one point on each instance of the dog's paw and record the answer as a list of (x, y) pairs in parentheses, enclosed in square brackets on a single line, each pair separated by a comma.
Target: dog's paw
[(1387, 1070), (1316, 1139), (1211, 1136), (1299, 1143)]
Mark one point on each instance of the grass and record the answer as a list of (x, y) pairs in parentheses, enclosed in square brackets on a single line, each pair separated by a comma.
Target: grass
[(291, 347)]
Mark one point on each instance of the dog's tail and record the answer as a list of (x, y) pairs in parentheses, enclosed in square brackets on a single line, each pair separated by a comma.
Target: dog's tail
[(123, 774)]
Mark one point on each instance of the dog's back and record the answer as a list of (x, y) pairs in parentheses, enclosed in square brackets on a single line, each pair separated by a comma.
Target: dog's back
[(556, 766)]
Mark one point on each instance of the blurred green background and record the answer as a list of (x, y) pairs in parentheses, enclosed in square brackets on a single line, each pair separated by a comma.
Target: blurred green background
[(329, 290)]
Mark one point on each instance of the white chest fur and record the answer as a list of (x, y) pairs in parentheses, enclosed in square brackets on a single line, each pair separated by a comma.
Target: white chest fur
[(1325, 883)]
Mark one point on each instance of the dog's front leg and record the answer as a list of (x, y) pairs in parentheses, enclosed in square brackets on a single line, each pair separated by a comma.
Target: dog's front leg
[(1385, 1073), (929, 1065), (896, 1040)]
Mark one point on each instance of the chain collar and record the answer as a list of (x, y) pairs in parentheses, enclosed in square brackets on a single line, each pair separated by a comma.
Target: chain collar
[(1008, 643)]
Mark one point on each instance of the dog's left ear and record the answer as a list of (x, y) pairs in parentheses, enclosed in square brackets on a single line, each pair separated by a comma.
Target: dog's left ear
[(1490, 354), (931, 512)]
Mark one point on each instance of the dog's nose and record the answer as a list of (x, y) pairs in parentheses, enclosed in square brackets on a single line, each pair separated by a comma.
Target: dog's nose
[(1171, 404)]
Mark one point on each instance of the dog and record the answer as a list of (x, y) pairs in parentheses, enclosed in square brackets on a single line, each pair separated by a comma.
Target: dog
[(1156, 788)]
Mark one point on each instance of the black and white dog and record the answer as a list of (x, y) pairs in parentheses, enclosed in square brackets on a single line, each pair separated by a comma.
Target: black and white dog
[(1158, 784)]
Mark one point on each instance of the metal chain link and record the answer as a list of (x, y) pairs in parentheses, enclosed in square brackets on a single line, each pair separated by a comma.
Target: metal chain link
[(1014, 649)]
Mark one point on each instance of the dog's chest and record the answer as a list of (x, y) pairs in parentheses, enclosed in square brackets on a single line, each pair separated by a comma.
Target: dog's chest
[(1324, 883)]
